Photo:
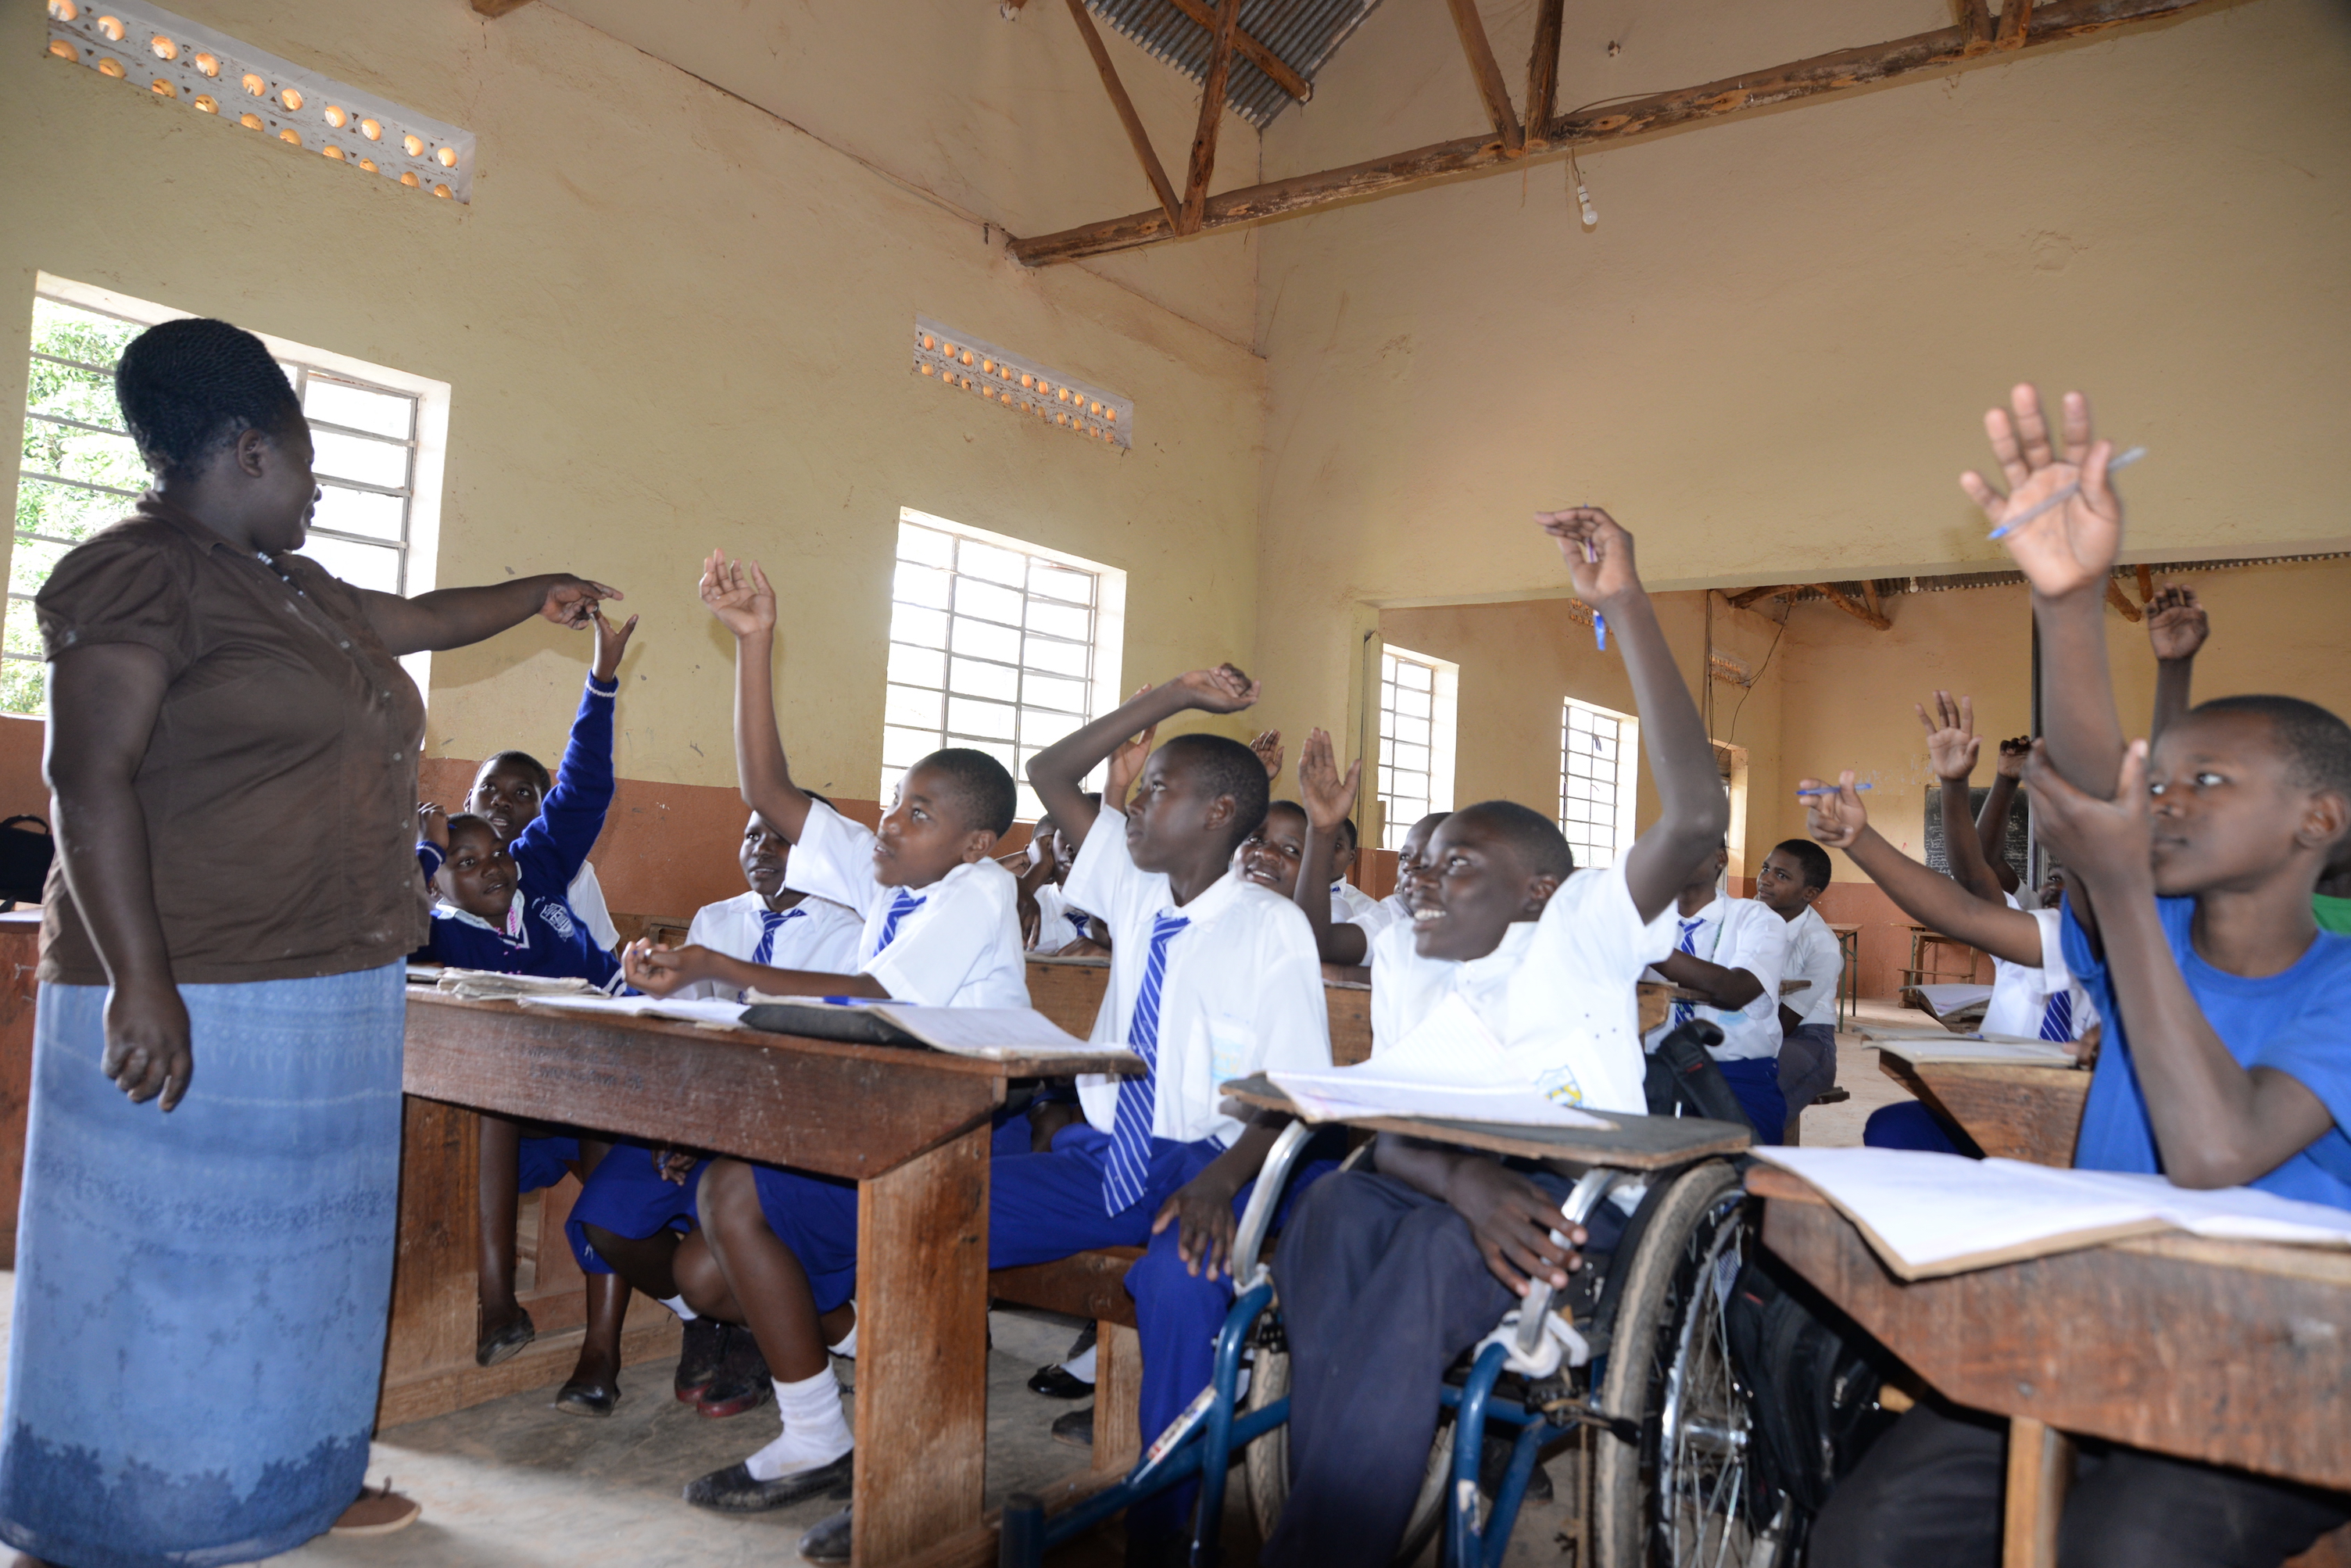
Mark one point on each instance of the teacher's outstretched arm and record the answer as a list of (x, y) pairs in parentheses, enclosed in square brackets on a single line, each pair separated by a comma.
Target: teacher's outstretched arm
[(103, 702), (454, 617)]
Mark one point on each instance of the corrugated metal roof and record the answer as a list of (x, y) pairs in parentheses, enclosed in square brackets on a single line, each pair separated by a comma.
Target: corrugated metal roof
[(1302, 34)]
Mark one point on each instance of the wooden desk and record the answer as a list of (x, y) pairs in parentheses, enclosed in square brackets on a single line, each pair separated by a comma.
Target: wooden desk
[(910, 1126), (1849, 975), (2016, 1111), (1636, 1143), (2227, 1353)]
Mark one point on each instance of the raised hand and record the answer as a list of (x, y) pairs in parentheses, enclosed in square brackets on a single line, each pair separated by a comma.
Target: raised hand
[(1598, 552), (433, 822), (738, 595), (1837, 817), (2097, 841), (1126, 764), (1953, 743), (1327, 799), (1224, 689), (2071, 548), (2012, 753), (1267, 747), (572, 601), (2175, 624), (611, 642)]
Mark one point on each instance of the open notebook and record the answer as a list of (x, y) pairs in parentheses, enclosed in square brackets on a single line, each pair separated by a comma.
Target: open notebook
[(1450, 1067), (1928, 1214), (1941, 1045), (995, 1032), (685, 1010)]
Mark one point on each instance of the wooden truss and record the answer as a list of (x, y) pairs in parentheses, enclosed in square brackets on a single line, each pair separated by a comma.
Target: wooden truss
[(2021, 26)]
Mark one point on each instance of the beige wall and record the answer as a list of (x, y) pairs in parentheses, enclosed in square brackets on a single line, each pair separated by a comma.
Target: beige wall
[(671, 321), (1772, 356)]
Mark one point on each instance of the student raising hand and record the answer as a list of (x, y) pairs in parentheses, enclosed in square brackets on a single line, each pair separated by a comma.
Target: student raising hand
[(2070, 548), (1267, 747), (1126, 762), (738, 594), (1836, 817), (1598, 551), (1225, 689), (1952, 744), (1329, 801), (2175, 624), (611, 642), (2012, 753)]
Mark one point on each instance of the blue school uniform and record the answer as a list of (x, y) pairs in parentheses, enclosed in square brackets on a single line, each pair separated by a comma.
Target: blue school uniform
[(2290, 1021)]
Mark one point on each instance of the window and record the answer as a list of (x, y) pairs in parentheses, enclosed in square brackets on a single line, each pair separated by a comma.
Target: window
[(1599, 754), (1417, 699), (378, 436), (999, 645)]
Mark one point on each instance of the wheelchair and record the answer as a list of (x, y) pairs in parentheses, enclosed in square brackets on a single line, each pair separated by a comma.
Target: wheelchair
[(1640, 1397)]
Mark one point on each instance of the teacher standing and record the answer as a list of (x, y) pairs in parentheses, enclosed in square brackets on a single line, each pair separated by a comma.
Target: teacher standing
[(212, 1161)]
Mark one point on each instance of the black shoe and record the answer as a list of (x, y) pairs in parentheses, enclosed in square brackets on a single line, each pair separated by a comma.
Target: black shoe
[(699, 1361), (1495, 1463), (581, 1398), (827, 1540), (1054, 1383), (732, 1489), (742, 1382), (1076, 1429), (507, 1343)]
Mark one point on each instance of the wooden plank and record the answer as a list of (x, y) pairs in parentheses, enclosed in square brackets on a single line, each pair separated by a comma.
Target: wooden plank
[(1212, 116), (1069, 990), (1083, 1285), (558, 1296), (1488, 74), (2015, 21), (1846, 70), (922, 1374), (1748, 596), (1858, 612), (1245, 44), (1350, 1023), (2145, 583), (1135, 134), (1635, 1143), (1118, 1398), (20, 958), (497, 8), (2115, 594), (1975, 17), (1542, 70), (2040, 1467), (2017, 1113), (2143, 1341)]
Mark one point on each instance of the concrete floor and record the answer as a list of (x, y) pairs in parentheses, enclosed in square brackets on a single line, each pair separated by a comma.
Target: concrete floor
[(513, 1484)]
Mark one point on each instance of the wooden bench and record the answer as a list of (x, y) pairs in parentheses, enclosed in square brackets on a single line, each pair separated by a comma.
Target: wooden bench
[(1092, 1285)]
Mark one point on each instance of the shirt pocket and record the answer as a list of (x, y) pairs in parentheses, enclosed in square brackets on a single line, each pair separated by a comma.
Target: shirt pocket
[(1232, 1050)]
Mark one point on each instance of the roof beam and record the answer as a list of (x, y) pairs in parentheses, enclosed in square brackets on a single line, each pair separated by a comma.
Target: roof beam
[(1746, 597), (1489, 74), (1858, 612), (1542, 70), (497, 8), (1245, 44), (1922, 54), (1212, 116), (2115, 594), (2015, 21), (1141, 138)]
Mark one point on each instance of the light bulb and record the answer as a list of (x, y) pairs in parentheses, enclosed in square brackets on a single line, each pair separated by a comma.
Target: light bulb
[(1583, 199)]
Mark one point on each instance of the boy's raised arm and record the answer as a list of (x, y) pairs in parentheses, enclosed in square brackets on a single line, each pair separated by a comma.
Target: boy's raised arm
[(2067, 553), (1992, 823), (1840, 821), (738, 595), (1599, 555), (1952, 745), (1327, 798), (2176, 629), (1058, 773)]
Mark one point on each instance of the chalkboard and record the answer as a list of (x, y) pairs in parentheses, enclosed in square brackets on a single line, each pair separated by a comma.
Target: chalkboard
[(2019, 814)]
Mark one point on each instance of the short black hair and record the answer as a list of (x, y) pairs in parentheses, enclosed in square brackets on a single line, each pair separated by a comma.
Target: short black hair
[(1225, 767), (522, 759), (1534, 838), (1273, 805), (186, 387), (466, 822), (2316, 744), (981, 786), (1809, 855), (1346, 830)]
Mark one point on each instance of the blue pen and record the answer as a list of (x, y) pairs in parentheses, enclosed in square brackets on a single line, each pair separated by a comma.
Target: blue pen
[(1599, 621), (1831, 789), (2119, 460)]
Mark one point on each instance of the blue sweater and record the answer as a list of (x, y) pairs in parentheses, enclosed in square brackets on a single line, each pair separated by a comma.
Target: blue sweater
[(550, 939)]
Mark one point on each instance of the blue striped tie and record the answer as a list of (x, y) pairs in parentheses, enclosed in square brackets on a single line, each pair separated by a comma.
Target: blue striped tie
[(2057, 1017), (905, 904), (1130, 1139), (1684, 1012), (1077, 919), (770, 920)]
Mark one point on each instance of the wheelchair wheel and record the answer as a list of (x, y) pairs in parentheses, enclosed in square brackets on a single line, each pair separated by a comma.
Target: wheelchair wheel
[(1683, 1495), (1266, 1463)]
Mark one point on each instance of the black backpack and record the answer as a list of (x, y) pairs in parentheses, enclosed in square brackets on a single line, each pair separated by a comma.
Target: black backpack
[(1814, 1379)]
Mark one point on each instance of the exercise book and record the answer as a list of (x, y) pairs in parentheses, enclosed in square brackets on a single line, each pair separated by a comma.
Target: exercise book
[(1450, 1067), (684, 1009), (963, 1031), (1939, 1045), (1927, 1215)]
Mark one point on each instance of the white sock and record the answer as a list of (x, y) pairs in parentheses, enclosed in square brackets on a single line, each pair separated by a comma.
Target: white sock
[(847, 1348), (815, 1432), (1081, 1367), (685, 1314)]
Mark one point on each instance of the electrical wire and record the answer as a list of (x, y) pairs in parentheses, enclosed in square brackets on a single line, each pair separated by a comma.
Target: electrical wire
[(1733, 739)]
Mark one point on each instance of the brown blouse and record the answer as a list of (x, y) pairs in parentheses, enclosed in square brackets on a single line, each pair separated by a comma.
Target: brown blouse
[(279, 785)]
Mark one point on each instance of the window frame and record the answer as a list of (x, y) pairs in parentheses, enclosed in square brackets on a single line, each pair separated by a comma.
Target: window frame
[(1444, 723), (1624, 786)]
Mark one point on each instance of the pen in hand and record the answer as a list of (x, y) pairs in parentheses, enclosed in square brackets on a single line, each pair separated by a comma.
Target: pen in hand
[(2010, 525)]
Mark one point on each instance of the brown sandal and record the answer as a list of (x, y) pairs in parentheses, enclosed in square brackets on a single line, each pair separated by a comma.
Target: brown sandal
[(377, 1512)]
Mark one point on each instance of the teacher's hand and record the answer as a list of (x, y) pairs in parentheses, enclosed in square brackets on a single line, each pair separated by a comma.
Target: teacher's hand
[(147, 1048), (572, 601)]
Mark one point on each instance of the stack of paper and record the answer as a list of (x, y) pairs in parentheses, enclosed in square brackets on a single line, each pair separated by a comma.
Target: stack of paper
[(1449, 1068), (687, 1009), (1928, 1214), (1941, 1045), (994, 1032), (484, 984)]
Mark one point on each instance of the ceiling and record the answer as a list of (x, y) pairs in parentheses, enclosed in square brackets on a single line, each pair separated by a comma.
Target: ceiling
[(1302, 34)]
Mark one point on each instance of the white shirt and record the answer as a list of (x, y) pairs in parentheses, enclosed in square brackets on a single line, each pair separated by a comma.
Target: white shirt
[(586, 896), (1557, 994), (1814, 955), (1738, 934), (1351, 906), (817, 935), (1242, 991), (2021, 993), (961, 947), (1059, 921)]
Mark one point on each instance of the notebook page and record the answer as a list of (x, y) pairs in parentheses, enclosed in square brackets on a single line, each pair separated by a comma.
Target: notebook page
[(687, 1009), (1448, 1066), (974, 1032)]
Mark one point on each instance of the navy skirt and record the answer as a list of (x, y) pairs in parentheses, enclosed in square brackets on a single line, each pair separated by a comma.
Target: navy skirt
[(201, 1297)]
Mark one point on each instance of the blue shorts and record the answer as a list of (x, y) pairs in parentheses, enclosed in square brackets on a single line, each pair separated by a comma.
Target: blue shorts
[(1909, 1124), (1756, 1081), (628, 1196), (545, 1162)]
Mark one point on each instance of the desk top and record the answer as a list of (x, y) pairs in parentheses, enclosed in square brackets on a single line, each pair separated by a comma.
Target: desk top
[(1635, 1143)]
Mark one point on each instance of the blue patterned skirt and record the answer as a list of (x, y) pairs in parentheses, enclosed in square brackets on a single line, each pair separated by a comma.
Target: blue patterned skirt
[(201, 1297)]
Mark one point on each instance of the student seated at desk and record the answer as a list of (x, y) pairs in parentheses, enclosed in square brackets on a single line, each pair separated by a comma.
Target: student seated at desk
[(777, 1252), (1732, 951), (1790, 880), (1389, 1271), (2187, 917), (1051, 923), (1276, 858), (504, 906)]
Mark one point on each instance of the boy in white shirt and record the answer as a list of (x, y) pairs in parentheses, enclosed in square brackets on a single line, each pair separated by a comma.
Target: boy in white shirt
[(777, 1251), (1732, 950), (1790, 880), (1345, 918), (1388, 1271)]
